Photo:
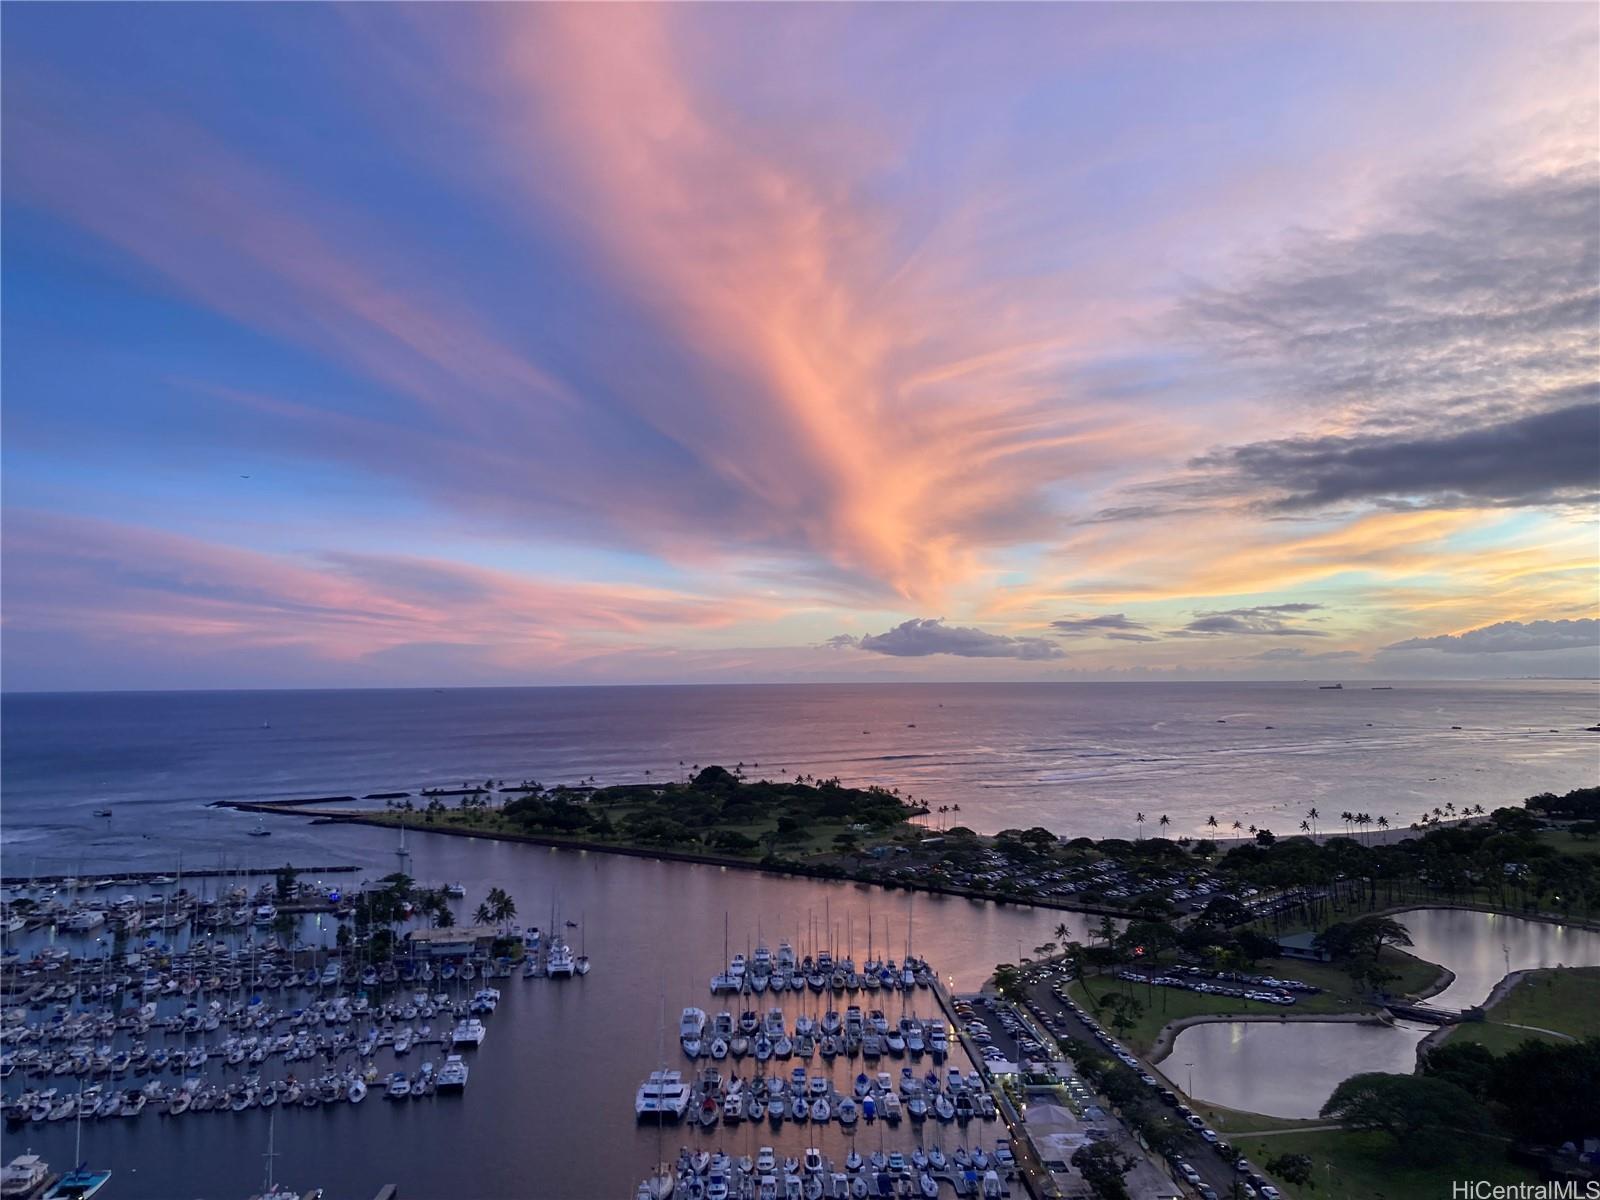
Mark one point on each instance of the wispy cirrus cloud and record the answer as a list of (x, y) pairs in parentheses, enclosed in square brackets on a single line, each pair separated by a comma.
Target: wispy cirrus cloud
[(1469, 296), (839, 337), (102, 581)]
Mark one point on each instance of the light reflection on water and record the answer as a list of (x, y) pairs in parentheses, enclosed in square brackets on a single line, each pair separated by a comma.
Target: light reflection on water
[(549, 1108), (1289, 1069)]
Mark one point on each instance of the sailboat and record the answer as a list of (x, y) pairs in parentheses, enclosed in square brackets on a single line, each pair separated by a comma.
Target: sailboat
[(271, 1191), (79, 1183), (260, 830), (581, 963)]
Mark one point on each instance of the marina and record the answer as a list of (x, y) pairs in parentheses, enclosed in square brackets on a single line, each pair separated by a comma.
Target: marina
[(566, 1055), (879, 1082)]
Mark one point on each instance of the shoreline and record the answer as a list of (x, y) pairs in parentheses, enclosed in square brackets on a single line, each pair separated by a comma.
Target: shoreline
[(795, 870), (1167, 1035)]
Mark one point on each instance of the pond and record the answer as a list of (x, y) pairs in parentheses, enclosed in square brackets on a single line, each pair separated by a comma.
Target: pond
[(1290, 1068)]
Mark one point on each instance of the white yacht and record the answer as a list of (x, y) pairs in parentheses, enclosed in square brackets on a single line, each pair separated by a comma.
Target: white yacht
[(453, 1075), (23, 1175), (662, 1096), (690, 1030), (560, 964), (82, 922), (469, 1032)]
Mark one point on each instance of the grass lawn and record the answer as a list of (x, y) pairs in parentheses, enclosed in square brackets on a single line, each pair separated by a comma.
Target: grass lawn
[(1228, 1121), (1565, 1000), (815, 840), (1367, 1166), (1563, 841), (1498, 1038), (1170, 1004)]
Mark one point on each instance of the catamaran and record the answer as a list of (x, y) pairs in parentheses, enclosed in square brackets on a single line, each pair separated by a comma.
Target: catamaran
[(662, 1096), (559, 965), (469, 1032), (452, 1076)]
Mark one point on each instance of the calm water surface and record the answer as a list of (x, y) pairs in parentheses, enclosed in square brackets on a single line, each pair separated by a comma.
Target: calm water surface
[(1290, 1069), (549, 1108), (1076, 758)]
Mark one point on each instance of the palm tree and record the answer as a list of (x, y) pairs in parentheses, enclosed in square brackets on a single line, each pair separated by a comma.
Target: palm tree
[(1164, 822), (1062, 932), (1305, 826), (1313, 816), (1238, 825), (1138, 819), (1211, 821), (484, 915), (1383, 822)]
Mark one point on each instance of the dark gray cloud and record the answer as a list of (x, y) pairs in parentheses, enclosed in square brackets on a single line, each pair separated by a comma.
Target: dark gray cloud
[(1511, 636), (1543, 458), (1133, 637), (1262, 620), (1453, 343), (922, 636), (1297, 654), (1092, 626)]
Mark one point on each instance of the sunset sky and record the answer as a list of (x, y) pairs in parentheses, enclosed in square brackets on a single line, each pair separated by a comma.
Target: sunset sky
[(436, 345)]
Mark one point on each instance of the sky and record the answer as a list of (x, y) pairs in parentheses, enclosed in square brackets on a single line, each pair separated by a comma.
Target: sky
[(539, 344)]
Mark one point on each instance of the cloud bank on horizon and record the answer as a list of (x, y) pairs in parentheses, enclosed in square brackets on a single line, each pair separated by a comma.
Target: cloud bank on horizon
[(527, 344)]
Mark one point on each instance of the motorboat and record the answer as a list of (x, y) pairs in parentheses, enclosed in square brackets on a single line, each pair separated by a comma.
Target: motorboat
[(690, 1028)]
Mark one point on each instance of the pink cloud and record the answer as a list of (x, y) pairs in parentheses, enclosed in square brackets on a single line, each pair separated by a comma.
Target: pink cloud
[(107, 582)]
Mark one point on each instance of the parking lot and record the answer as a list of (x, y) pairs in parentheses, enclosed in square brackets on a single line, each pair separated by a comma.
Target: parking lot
[(998, 1032), (1202, 1159)]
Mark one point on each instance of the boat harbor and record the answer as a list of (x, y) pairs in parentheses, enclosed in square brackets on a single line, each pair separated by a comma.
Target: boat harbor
[(840, 1080)]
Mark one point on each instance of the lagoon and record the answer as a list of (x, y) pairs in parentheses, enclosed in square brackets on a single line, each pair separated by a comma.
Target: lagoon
[(1289, 1068)]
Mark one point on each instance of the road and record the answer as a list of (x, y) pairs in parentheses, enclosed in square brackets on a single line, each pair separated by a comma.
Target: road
[(1219, 1175)]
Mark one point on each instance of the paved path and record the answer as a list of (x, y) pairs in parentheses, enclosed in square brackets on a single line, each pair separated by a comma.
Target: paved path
[(1555, 1033), (1244, 1133)]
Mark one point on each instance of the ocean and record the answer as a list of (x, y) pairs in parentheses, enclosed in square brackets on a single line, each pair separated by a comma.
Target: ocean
[(548, 1111), (1078, 759)]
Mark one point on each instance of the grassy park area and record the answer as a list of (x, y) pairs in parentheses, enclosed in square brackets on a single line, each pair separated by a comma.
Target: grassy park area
[(714, 811), (1562, 1000), (1369, 1166), (1339, 994)]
